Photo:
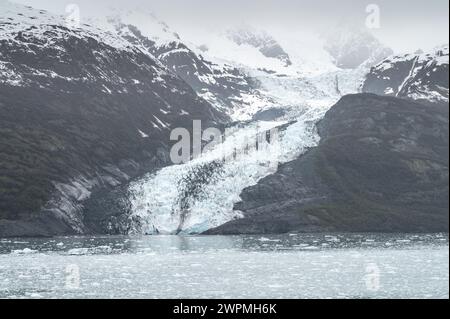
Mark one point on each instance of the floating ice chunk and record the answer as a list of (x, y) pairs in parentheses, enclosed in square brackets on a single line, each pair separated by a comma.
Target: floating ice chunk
[(90, 251), (143, 135), (264, 239), (25, 251)]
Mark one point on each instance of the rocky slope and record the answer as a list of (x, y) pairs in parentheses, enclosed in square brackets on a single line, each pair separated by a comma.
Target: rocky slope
[(381, 166), (81, 110), (421, 76)]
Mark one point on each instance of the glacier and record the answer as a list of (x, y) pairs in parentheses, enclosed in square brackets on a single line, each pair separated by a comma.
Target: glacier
[(194, 197), (155, 199)]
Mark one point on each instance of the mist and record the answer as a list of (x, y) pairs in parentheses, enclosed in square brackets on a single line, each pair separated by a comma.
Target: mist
[(404, 25)]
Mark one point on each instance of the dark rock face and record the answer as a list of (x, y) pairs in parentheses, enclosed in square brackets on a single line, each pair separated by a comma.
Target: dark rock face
[(77, 116), (381, 166), (269, 115), (417, 76)]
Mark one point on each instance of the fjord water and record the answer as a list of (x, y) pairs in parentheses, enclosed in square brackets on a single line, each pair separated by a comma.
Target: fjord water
[(282, 266)]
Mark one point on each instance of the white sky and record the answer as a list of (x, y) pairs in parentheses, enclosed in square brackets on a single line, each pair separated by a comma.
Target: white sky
[(405, 25)]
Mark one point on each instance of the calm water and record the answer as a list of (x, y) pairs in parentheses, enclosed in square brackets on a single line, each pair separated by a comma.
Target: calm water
[(285, 266)]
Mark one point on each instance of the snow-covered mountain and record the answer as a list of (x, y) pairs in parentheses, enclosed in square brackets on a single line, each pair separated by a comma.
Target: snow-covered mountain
[(419, 76), (261, 40), (354, 47), (224, 86), (201, 194), (102, 98), (81, 109), (244, 71), (234, 71)]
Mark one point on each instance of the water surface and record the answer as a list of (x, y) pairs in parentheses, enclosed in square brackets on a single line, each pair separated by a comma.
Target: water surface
[(282, 266)]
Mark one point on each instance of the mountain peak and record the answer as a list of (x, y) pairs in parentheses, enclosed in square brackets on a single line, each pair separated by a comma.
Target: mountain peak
[(352, 47), (259, 39), (419, 76)]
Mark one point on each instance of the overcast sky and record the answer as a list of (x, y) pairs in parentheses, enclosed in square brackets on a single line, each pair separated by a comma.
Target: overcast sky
[(405, 25)]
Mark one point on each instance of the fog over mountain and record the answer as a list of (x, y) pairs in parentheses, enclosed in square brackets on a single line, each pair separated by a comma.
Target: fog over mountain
[(404, 25)]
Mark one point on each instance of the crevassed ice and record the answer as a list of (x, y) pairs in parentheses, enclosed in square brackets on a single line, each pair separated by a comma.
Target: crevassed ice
[(155, 200)]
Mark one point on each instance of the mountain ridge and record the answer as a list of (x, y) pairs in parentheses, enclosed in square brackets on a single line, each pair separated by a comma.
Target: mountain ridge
[(80, 111), (418, 76)]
